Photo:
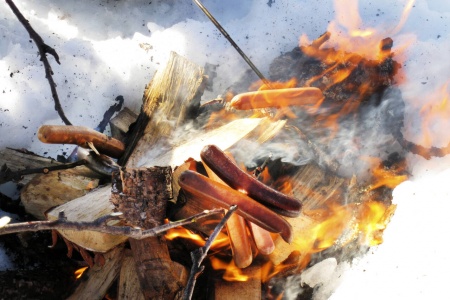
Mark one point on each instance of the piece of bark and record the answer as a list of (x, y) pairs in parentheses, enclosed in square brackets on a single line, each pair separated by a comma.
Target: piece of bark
[(19, 160), (120, 124), (97, 280), (129, 288), (248, 290), (142, 196), (46, 191)]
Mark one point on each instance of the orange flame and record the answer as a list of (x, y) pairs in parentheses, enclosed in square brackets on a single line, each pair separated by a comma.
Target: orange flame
[(78, 273), (180, 232)]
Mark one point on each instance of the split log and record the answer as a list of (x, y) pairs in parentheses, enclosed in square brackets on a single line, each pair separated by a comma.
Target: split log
[(173, 91), (19, 160), (142, 196), (129, 288), (97, 280), (46, 191), (121, 123)]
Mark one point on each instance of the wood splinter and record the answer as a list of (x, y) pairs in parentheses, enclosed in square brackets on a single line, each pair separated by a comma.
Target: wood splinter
[(277, 98), (81, 136)]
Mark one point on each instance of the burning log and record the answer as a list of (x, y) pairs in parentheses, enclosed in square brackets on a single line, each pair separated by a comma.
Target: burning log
[(81, 136)]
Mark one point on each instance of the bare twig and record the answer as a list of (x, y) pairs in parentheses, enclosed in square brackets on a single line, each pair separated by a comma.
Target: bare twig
[(100, 225), (43, 50), (232, 42), (199, 255), (7, 174)]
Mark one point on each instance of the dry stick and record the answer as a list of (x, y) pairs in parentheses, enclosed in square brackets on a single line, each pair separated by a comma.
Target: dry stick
[(199, 255), (100, 225), (43, 50)]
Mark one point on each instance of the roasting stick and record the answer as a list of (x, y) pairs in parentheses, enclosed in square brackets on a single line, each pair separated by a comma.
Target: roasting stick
[(81, 136), (237, 232), (277, 98)]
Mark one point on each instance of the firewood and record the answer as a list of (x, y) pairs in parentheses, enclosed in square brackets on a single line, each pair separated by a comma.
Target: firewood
[(142, 196), (89, 208), (46, 191), (248, 290), (20, 160), (97, 280), (120, 124), (173, 91), (129, 288)]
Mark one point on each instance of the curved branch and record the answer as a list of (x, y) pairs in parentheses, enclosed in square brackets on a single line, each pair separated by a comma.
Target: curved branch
[(43, 50)]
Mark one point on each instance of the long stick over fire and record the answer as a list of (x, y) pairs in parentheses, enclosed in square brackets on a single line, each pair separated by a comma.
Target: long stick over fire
[(232, 42)]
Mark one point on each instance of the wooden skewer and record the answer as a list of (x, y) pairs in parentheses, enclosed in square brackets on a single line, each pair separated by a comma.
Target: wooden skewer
[(237, 233), (277, 98), (81, 136)]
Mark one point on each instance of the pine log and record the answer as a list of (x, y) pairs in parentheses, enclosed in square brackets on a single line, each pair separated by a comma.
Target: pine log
[(97, 280), (142, 196)]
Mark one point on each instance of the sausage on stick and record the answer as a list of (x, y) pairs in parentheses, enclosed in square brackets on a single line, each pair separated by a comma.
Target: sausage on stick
[(81, 136)]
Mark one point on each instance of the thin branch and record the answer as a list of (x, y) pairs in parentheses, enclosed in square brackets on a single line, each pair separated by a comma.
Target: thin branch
[(7, 174), (199, 255), (43, 50), (100, 225)]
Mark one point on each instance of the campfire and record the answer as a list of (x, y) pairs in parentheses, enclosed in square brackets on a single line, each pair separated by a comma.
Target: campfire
[(270, 185)]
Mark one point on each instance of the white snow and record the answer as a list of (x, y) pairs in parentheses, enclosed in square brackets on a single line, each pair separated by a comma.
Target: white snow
[(109, 48)]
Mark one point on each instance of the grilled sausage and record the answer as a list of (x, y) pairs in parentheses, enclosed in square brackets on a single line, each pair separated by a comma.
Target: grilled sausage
[(232, 175), (206, 189)]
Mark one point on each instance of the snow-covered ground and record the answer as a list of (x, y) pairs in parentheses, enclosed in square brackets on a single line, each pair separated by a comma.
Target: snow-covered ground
[(113, 47)]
